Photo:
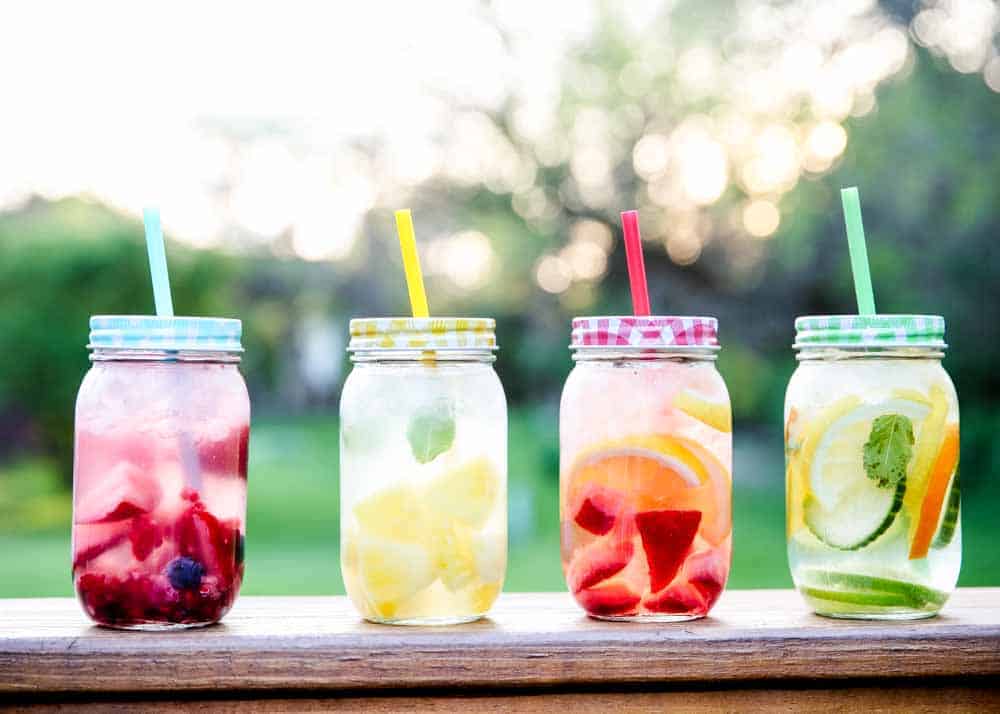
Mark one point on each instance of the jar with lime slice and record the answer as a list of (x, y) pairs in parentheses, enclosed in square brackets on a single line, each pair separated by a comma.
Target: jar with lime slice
[(423, 470), (871, 444), (645, 462)]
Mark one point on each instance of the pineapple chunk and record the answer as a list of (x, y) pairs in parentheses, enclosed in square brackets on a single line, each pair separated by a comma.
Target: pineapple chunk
[(467, 493)]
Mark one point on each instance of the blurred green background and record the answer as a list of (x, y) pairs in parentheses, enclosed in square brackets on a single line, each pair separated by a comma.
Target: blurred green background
[(731, 126)]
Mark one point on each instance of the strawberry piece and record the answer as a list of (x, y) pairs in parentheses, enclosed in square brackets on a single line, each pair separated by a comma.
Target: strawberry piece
[(227, 455), (706, 571), (677, 599), (609, 599), (90, 541), (666, 538), (598, 562), (146, 536), (202, 537), (599, 508), (126, 492)]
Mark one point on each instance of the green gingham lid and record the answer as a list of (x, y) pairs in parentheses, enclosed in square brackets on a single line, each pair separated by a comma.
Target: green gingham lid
[(148, 332), (925, 331)]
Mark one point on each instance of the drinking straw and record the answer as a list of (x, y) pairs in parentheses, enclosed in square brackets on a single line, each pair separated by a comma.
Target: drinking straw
[(858, 250), (165, 308), (157, 262), (636, 267), (411, 263)]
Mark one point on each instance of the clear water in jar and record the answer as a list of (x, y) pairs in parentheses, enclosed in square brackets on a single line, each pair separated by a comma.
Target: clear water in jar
[(423, 462), (873, 495)]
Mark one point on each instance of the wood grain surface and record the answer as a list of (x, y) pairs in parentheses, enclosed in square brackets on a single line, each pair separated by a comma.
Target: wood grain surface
[(305, 645)]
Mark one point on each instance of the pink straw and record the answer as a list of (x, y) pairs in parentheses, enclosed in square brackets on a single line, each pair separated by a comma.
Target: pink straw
[(636, 268)]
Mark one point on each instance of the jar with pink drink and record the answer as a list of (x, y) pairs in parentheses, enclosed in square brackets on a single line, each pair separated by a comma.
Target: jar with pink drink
[(159, 474)]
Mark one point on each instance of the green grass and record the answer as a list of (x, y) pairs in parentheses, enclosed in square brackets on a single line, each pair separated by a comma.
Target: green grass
[(292, 523)]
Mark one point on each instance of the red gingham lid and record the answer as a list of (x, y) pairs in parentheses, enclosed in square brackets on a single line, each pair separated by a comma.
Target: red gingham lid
[(652, 331)]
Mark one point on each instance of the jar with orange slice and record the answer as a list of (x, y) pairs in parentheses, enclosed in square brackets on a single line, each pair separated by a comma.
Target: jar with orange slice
[(645, 468), (871, 444)]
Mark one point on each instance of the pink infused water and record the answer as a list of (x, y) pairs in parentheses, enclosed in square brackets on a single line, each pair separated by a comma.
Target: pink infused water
[(159, 497)]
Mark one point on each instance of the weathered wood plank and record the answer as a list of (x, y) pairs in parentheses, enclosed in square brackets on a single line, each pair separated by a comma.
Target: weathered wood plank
[(531, 640), (868, 699)]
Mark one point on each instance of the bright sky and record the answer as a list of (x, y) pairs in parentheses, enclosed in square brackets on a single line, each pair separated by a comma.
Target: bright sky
[(111, 99)]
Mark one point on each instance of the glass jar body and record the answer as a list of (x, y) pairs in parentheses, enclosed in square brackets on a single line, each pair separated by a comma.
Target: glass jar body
[(645, 484), (872, 494), (423, 488), (159, 489)]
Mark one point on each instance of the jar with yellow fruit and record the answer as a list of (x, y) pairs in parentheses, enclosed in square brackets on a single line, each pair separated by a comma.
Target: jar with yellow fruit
[(871, 445), (423, 470)]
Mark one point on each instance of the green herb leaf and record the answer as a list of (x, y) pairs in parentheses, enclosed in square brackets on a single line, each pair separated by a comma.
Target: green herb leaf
[(888, 449), (431, 431)]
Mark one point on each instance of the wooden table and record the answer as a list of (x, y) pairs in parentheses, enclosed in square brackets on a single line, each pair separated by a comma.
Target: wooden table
[(760, 649)]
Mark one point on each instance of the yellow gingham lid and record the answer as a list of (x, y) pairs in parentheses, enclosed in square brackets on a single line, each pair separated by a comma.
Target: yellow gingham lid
[(422, 333)]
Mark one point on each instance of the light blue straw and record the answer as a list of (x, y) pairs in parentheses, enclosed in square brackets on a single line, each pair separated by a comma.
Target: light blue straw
[(158, 262), (165, 308)]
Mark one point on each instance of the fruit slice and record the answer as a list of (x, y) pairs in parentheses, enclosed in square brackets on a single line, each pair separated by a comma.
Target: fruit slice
[(146, 536), (126, 492), (226, 455), (950, 521), (90, 541), (666, 537), (870, 590), (929, 440), (453, 551), (468, 493), (717, 415), (204, 538), (680, 598), (609, 599), (658, 472), (598, 561), (842, 506), (390, 572), (394, 513), (937, 487), (599, 509), (706, 572)]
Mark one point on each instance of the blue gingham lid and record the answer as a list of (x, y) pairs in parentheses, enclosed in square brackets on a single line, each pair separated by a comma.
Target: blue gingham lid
[(149, 332), (925, 331)]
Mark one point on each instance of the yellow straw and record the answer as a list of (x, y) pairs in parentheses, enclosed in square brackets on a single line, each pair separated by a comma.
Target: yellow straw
[(411, 263)]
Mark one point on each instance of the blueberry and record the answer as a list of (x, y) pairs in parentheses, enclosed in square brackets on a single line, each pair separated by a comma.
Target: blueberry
[(185, 573), (239, 548)]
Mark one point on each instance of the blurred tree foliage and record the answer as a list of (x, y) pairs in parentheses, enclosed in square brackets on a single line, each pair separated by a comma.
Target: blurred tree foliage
[(927, 161)]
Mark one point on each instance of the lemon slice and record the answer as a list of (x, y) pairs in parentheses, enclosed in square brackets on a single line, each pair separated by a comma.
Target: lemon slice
[(395, 513), (842, 506), (390, 572), (929, 439), (717, 415), (467, 493)]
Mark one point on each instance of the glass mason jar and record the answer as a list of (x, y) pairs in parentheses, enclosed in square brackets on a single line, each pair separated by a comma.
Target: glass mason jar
[(645, 501), (871, 445), (159, 472), (423, 471)]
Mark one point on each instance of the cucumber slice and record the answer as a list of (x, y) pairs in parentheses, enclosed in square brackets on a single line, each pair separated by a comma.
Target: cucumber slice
[(870, 590), (863, 514), (844, 508), (950, 521)]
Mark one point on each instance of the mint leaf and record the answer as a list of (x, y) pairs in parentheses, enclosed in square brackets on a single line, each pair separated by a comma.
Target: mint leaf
[(888, 449), (431, 431)]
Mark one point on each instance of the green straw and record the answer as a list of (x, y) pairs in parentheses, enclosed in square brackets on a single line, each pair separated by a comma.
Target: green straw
[(157, 262), (859, 252)]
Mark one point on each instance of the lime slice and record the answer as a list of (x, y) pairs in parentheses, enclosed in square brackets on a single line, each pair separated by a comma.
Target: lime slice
[(859, 589)]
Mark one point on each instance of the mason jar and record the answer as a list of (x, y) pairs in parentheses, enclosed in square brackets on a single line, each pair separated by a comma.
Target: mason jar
[(159, 472), (423, 470), (871, 445), (645, 431)]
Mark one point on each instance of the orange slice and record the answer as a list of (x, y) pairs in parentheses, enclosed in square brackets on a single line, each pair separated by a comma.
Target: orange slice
[(659, 472), (937, 488)]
